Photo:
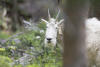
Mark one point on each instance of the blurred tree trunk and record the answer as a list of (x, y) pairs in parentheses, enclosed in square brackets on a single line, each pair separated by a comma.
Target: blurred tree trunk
[(76, 12), (14, 16)]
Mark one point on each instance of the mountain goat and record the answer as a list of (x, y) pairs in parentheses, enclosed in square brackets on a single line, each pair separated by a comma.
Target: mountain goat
[(52, 29), (93, 41)]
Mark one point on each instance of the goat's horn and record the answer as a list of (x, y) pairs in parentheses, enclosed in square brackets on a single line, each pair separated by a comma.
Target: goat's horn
[(49, 14), (44, 20), (5, 12), (58, 14)]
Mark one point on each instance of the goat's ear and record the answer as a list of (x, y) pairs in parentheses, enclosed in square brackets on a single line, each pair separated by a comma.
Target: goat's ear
[(60, 21), (26, 22), (44, 20)]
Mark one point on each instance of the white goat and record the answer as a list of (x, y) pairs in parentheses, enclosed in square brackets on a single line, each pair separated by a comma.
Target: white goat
[(93, 41), (92, 31), (51, 30)]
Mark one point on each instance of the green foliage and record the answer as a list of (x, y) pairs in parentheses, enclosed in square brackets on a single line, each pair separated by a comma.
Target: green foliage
[(5, 61), (4, 35), (45, 65), (42, 56), (33, 65), (42, 25), (18, 65)]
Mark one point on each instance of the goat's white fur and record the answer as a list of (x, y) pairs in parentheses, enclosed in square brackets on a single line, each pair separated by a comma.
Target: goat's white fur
[(93, 40), (92, 31)]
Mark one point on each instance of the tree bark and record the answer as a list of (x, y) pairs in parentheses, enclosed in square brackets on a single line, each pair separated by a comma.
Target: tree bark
[(76, 11)]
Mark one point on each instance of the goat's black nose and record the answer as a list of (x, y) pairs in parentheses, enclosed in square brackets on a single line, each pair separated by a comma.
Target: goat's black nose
[(48, 39)]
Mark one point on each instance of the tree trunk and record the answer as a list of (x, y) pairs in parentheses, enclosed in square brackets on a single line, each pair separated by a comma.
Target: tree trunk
[(76, 11)]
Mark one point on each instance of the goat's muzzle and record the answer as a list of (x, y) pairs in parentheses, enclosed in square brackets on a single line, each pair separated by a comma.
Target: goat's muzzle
[(49, 40)]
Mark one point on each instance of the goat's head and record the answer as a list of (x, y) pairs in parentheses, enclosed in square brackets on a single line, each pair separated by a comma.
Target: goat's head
[(51, 30)]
